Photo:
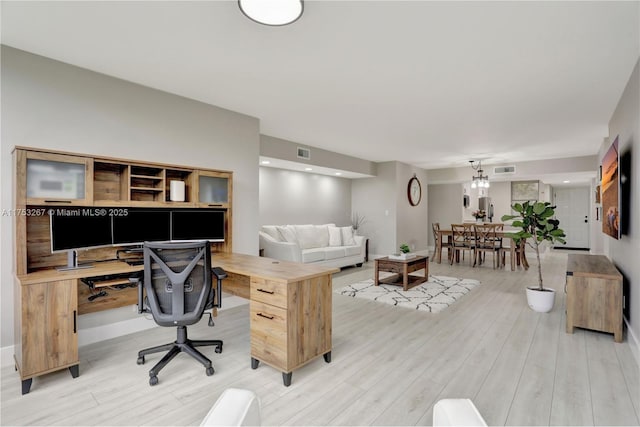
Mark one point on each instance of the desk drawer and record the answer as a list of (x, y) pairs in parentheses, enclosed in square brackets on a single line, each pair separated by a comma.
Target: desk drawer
[(269, 292), (269, 334)]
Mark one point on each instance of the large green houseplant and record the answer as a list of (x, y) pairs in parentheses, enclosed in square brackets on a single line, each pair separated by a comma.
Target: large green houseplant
[(536, 223)]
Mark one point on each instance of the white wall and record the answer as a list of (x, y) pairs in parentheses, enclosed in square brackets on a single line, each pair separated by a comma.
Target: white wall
[(291, 197), (48, 104), (625, 123)]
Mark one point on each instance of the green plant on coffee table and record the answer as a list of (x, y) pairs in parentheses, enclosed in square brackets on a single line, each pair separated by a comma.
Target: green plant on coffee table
[(535, 221), (404, 248)]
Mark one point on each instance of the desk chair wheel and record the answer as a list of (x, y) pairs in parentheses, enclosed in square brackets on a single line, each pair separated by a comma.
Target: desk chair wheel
[(218, 349), (210, 371), (140, 360), (153, 380)]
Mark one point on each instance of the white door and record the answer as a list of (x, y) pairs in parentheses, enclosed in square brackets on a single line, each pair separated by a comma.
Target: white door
[(572, 210)]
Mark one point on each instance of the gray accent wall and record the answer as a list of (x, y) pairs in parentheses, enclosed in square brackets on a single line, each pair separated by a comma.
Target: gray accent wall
[(625, 123), (52, 105), (291, 197)]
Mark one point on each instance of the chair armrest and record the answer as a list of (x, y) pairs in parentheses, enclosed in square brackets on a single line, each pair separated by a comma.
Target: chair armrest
[(140, 283), (219, 273)]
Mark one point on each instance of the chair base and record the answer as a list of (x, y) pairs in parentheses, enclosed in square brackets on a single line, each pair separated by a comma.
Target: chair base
[(181, 344)]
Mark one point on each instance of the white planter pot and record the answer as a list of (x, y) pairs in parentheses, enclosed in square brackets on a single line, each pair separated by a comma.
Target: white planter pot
[(541, 301)]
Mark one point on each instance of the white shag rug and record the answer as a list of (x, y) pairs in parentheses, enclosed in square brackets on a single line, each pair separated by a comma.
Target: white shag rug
[(438, 293)]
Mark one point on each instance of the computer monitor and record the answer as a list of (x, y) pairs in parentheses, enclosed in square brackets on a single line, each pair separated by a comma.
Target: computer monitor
[(141, 225), (78, 228), (197, 225), (81, 228)]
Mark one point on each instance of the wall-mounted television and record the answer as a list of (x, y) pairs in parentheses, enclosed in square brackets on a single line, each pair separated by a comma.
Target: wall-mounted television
[(192, 224), (141, 225), (610, 188)]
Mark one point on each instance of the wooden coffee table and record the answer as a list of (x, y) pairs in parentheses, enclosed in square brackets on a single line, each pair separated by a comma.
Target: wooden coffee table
[(402, 268)]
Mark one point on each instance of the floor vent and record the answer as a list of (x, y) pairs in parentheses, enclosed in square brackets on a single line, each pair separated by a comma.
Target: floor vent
[(304, 153)]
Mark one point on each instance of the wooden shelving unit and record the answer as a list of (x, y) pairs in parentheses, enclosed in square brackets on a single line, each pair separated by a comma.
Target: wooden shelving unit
[(46, 307)]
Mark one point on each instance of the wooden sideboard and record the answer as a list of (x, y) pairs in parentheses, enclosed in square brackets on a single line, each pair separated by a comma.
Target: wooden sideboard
[(594, 295)]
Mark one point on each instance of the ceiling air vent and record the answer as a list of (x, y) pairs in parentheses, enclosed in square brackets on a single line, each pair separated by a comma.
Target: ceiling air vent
[(304, 153), (504, 170)]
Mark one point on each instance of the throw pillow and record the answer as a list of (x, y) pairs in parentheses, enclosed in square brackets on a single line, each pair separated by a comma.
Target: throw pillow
[(347, 236), (335, 236), (312, 236), (272, 231), (287, 234)]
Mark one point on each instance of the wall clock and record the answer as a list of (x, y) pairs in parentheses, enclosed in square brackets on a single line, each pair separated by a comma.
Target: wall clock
[(414, 191)]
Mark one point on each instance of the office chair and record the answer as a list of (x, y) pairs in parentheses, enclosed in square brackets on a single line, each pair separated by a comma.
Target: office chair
[(177, 284)]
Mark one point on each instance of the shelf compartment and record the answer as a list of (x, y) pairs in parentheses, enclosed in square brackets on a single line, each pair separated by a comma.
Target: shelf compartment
[(110, 181)]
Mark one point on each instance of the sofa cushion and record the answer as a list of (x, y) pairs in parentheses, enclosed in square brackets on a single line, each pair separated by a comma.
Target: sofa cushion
[(312, 236), (287, 233), (335, 236), (272, 231), (313, 255), (347, 236), (351, 250), (334, 252)]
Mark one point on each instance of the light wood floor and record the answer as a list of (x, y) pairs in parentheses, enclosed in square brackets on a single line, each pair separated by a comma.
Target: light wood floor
[(390, 365)]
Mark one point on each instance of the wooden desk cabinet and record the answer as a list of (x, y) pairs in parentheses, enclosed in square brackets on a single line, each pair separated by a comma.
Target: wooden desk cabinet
[(290, 309), (47, 329), (290, 323), (594, 295)]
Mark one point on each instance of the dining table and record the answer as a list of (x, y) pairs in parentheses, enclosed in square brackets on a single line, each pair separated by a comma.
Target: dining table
[(503, 234)]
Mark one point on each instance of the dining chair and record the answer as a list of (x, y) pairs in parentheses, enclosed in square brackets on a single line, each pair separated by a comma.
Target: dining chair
[(487, 241), (439, 244), (462, 239)]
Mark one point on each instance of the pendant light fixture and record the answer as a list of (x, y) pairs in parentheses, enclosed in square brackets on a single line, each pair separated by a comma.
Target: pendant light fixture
[(479, 181), (272, 12)]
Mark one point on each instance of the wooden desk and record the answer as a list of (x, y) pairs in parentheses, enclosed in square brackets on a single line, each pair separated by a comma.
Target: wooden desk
[(442, 233), (283, 335), (594, 295)]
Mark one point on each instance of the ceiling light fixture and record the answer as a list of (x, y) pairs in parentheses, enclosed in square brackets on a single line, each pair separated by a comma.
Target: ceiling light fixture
[(480, 181), (308, 169), (265, 162), (272, 12)]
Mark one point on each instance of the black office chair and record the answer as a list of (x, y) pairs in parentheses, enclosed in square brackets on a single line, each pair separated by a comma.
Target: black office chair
[(177, 284)]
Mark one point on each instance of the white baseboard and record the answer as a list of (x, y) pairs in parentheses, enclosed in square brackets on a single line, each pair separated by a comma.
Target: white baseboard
[(634, 343), (112, 330), (6, 356)]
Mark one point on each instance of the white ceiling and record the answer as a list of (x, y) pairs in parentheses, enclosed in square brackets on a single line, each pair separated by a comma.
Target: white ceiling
[(432, 84)]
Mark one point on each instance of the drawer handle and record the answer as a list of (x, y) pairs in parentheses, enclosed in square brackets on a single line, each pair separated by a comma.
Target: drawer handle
[(266, 291), (265, 316), (57, 201), (75, 324)]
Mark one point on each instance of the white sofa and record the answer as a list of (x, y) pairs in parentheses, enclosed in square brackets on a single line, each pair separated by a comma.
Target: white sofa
[(325, 244)]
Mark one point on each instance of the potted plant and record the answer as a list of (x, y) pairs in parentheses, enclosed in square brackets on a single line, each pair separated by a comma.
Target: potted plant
[(536, 223), (403, 254)]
